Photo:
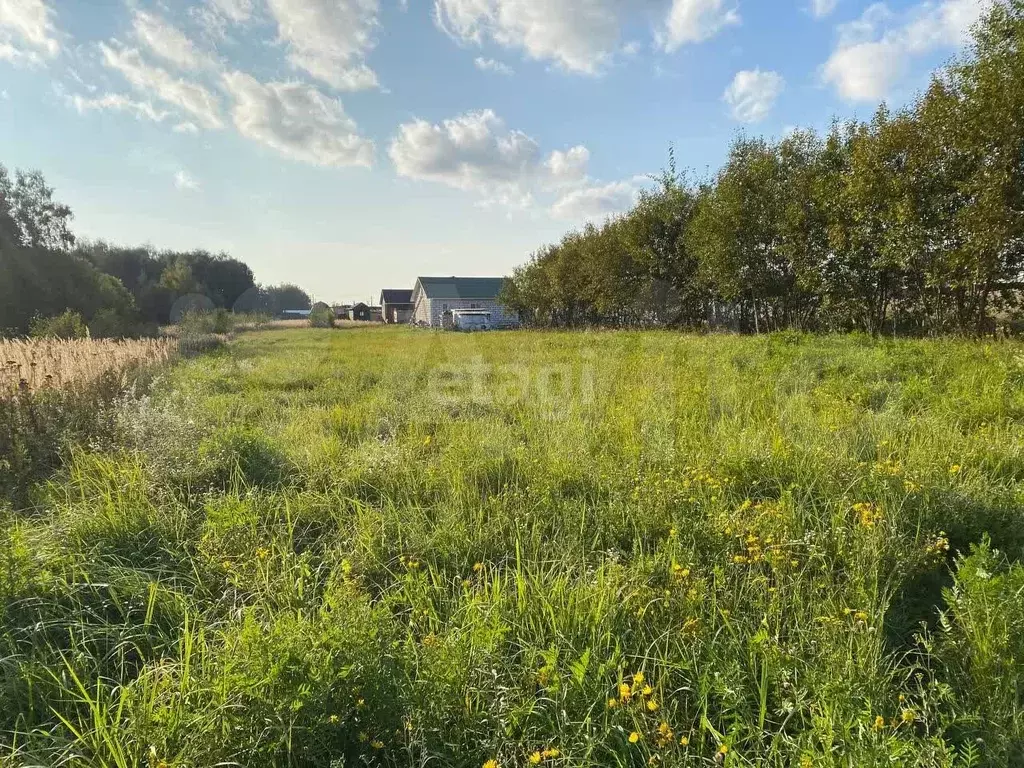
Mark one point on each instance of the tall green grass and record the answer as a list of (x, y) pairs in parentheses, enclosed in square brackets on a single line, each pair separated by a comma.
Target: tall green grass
[(325, 547)]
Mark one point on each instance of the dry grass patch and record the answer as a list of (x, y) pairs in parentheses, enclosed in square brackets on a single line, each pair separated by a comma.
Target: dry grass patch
[(30, 365)]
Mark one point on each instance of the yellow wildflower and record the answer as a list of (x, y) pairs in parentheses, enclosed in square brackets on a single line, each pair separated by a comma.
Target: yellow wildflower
[(262, 553), (613, 703), (535, 758), (625, 694), (491, 764), (333, 719), (427, 440), (653, 706), (377, 744), (647, 691), (684, 741), (634, 737), (879, 722), (955, 469), (638, 678), (908, 716)]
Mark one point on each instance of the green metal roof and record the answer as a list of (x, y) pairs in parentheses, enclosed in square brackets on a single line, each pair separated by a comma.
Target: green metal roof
[(461, 287)]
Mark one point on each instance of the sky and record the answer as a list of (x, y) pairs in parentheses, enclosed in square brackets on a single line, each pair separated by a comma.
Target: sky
[(352, 145)]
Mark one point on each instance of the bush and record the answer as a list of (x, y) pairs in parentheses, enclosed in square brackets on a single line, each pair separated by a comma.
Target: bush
[(322, 316), (198, 323), (67, 325)]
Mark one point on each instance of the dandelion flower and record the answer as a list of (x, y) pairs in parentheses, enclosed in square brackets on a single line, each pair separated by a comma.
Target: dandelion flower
[(879, 722), (535, 758), (908, 716), (491, 764), (613, 703), (684, 741), (625, 694), (634, 737), (955, 469), (551, 752), (638, 678), (647, 691), (653, 706)]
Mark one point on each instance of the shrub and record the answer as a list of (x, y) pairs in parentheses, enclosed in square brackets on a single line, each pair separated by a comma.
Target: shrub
[(67, 325), (322, 316)]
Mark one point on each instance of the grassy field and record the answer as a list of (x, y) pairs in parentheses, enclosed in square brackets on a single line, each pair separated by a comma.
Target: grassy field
[(391, 547)]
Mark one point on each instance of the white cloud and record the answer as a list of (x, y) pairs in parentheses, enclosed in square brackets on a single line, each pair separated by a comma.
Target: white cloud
[(752, 94), (476, 152), (567, 168), (579, 35), (186, 127), (184, 181), (27, 31), (329, 39), (693, 21), (168, 42), (875, 51), (238, 11), (116, 102), (296, 120), (594, 202), (490, 65), (822, 8), (158, 83)]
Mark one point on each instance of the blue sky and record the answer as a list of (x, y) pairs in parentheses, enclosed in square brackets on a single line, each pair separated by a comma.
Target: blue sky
[(350, 145)]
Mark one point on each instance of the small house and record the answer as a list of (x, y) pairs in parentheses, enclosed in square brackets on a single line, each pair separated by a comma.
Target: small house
[(435, 300), (361, 312), (396, 305)]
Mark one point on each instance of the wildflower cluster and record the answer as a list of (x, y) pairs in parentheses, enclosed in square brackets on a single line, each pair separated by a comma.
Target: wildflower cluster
[(868, 514), (539, 756), (937, 547)]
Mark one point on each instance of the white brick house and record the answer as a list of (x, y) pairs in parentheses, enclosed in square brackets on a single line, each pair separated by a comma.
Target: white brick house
[(434, 296)]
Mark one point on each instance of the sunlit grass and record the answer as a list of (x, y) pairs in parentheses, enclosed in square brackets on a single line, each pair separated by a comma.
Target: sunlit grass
[(610, 549)]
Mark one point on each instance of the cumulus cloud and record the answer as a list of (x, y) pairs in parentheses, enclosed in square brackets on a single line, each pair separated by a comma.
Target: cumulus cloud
[(168, 42), (184, 181), (876, 50), (477, 152), (570, 167), (329, 39), (27, 31), (579, 35), (694, 21), (752, 94), (822, 8), (595, 201), (157, 83), (296, 120), (116, 102), (490, 65)]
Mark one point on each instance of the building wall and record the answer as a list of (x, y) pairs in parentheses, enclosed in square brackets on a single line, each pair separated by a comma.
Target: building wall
[(430, 311)]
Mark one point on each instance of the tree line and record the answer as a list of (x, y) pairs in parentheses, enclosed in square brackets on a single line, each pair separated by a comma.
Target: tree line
[(912, 222), (45, 272)]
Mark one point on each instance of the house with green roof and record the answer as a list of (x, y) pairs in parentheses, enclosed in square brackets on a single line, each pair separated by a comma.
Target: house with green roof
[(437, 301)]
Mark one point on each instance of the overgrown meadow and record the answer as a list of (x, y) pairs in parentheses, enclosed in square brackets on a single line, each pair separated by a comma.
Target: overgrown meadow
[(392, 547)]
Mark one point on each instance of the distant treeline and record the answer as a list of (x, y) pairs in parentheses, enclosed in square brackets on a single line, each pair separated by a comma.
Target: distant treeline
[(911, 223), (118, 291)]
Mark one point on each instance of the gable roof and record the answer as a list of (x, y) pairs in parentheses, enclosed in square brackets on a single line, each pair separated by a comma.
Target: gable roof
[(395, 296), (461, 287)]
